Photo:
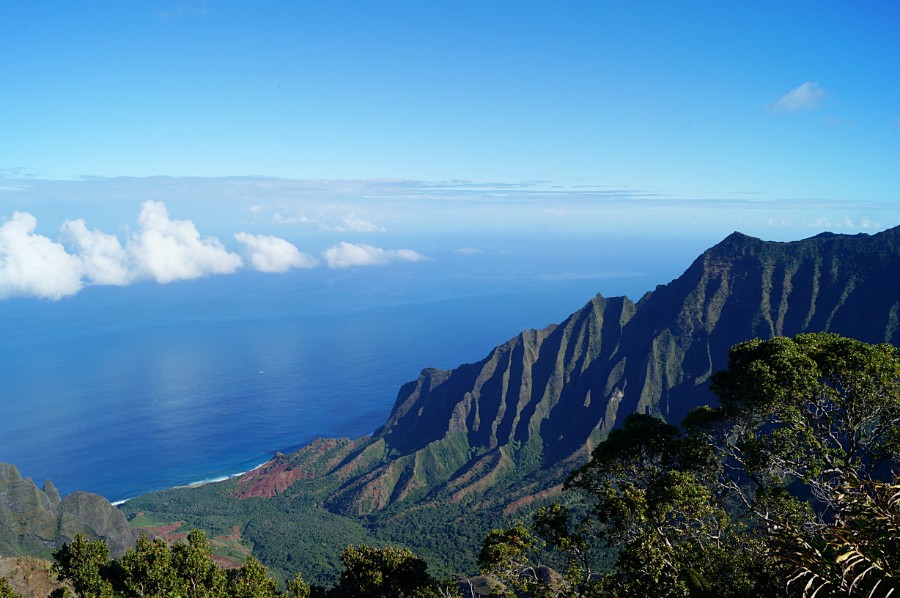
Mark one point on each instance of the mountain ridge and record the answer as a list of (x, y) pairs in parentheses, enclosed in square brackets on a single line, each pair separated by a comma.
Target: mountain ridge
[(553, 393)]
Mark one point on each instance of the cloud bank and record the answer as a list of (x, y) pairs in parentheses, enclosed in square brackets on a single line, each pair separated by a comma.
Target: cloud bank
[(346, 255), (329, 218), (159, 249)]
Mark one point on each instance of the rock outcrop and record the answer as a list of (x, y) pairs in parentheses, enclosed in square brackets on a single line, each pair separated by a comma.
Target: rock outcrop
[(34, 522)]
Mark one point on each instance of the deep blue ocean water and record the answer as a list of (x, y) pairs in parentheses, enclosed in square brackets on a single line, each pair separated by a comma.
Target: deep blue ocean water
[(121, 391)]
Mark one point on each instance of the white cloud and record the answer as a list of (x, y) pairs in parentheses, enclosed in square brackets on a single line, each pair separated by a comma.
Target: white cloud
[(34, 265), (162, 249), (468, 251), (103, 259), (169, 250), (271, 254), (345, 255), (159, 249), (804, 97)]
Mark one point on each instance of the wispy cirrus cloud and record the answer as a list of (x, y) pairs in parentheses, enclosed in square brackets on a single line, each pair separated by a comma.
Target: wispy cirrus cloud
[(805, 96)]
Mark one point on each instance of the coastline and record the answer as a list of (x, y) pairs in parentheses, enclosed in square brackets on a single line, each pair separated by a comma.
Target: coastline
[(199, 483)]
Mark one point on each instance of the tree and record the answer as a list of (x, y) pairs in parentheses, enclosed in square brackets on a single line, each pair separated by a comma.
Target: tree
[(85, 565), (251, 580), (192, 563), (147, 569), (152, 568), (297, 588), (385, 573), (808, 430)]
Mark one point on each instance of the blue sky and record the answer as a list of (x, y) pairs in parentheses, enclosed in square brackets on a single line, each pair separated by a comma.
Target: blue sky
[(373, 118)]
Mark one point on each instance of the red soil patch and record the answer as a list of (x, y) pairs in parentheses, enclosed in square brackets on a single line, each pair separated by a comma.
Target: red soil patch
[(270, 479)]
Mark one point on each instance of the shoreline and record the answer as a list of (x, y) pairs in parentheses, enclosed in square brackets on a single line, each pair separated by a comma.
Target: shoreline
[(198, 483)]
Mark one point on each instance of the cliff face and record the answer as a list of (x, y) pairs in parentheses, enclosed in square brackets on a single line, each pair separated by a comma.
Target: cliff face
[(539, 402), (34, 522)]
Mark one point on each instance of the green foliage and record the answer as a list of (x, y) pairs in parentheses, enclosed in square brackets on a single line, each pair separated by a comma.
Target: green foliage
[(509, 554), (384, 573), (808, 423), (251, 580), (193, 566), (147, 569), (297, 588), (186, 570), (152, 568), (5, 589), (777, 488), (809, 408), (86, 566)]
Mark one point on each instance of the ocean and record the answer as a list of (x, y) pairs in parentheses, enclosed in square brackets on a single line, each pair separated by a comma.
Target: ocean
[(122, 391)]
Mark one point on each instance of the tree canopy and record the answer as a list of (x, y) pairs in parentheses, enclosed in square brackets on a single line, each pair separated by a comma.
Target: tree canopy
[(152, 568)]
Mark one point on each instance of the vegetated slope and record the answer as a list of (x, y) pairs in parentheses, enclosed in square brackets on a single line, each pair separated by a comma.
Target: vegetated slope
[(464, 446), (34, 522)]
